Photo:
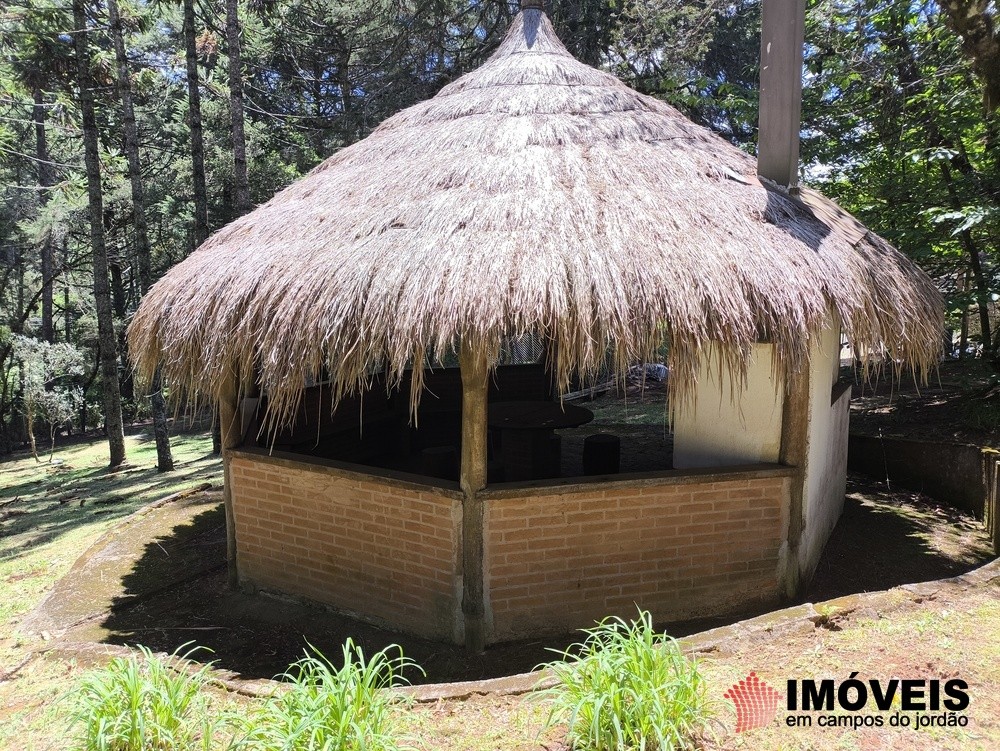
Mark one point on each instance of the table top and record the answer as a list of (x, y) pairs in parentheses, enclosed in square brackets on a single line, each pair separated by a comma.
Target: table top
[(537, 415)]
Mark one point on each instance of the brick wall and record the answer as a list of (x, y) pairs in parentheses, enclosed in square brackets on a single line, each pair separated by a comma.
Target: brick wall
[(685, 545), (682, 547), (383, 548)]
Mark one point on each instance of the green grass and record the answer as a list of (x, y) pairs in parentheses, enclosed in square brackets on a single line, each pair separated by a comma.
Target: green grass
[(148, 703), (51, 512), (142, 703), (329, 708), (627, 687), (646, 410)]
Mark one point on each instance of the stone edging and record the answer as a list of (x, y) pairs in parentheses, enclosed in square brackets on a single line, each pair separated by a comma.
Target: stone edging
[(777, 622), (109, 534), (707, 641)]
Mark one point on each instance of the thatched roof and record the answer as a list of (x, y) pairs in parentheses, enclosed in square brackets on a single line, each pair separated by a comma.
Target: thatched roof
[(533, 194)]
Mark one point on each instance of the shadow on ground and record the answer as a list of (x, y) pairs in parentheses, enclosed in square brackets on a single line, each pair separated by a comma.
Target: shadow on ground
[(176, 592), (79, 498), (887, 537)]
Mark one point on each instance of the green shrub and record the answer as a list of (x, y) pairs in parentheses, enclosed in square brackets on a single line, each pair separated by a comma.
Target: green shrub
[(627, 687), (331, 709), (142, 704)]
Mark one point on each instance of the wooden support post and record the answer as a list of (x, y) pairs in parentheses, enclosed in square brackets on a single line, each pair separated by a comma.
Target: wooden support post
[(781, 42), (991, 496), (231, 430), (472, 479), (794, 452)]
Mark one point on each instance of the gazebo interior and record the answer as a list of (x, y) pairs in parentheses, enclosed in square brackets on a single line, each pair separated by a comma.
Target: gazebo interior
[(608, 423), (546, 430)]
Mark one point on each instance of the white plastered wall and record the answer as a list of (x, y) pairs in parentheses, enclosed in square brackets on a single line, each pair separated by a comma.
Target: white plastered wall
[(726, 425), (826, 466)]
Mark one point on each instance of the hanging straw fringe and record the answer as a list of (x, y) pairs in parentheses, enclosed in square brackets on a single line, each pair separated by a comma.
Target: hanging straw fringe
[(535, 195)]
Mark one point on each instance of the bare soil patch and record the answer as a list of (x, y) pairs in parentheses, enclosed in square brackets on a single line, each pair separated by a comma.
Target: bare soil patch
[(960, 404)]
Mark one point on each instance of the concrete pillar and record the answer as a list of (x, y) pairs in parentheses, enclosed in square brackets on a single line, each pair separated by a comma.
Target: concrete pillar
[(781, 43)]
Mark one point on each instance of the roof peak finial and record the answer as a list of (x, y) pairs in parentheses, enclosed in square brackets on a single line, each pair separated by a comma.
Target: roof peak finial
[(533, 5)]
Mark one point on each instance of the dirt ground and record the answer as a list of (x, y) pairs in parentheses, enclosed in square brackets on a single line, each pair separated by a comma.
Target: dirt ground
[(950, 632), (960, 403)]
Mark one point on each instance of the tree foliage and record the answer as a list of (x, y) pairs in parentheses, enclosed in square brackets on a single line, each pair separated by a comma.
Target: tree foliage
[(899, 124), (895, 130), (47, 372)]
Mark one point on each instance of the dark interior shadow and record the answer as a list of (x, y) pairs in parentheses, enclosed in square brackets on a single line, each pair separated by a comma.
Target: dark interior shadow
[(644, 447)]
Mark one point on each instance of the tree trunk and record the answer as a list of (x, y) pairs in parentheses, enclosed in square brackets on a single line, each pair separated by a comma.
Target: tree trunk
[(164, 459), (973, 22), (45, 182), (349, 130), (975, 264), (83, 391), (194, 123), (242, 183), (21, 312), (95, 201), (67, 315), (29, 417), (963, 340), (118, 301), (126, 384)]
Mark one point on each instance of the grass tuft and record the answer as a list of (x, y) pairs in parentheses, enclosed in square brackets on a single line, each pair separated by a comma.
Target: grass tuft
[(142, 703), (626, 687), (328, 708)]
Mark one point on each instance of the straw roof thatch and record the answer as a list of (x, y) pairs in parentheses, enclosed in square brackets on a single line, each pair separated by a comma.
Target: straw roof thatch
[(535, 194)]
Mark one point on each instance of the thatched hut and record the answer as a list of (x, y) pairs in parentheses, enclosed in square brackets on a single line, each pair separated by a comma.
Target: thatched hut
[(535, 196)]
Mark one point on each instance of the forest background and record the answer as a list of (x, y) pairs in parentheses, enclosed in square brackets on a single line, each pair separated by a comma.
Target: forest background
[(132, 129)]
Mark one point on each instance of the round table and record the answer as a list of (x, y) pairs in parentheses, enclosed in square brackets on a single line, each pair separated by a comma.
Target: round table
[(526, 435)]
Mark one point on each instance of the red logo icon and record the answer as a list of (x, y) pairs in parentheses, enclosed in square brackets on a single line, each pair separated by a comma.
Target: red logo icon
[(756, 703)]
